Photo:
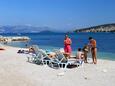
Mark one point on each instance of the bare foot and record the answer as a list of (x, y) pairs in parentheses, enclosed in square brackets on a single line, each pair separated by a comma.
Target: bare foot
[(86, 62), (95, 62)]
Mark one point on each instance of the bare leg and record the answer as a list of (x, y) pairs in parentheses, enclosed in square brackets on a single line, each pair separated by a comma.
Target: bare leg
[(85, 57), (67, 55), (94, 57)]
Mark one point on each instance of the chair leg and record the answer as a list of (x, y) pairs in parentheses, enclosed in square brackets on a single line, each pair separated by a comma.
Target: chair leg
[(43, 62), (51, 64), (28, 59), (59, 65), (82, 63)]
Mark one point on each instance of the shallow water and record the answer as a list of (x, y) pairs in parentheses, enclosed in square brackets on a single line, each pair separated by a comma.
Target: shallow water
[(49, 41)]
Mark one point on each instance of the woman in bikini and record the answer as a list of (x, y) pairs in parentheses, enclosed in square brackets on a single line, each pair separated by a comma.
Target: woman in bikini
[(92, 43)]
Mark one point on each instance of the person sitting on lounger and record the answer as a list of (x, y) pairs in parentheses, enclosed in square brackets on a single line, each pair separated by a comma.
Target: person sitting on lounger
[(31, 50), (31, 53), (51, 54)]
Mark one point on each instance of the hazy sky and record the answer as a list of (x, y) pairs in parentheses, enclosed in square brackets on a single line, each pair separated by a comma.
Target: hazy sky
[(58, 14)]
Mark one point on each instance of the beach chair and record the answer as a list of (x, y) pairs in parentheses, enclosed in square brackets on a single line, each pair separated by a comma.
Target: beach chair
[(80, 62), (62, 61), (44, 57), (58, 61), (36, 48), (40, 56), (35, 57)]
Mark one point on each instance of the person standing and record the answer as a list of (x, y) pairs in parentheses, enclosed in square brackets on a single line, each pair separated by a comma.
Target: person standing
[(85, 50), (67, 46), (92, 44)]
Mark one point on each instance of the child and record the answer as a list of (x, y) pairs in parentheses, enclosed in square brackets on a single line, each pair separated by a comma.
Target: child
[(80, 56), (85, 50)]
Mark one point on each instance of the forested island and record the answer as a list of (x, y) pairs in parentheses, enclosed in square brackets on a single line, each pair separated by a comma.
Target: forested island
[(99, 28)]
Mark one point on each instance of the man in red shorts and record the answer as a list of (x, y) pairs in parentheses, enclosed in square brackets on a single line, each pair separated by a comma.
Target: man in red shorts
[(67, 46)]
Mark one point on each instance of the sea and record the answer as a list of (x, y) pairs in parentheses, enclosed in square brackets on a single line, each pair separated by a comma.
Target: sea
[(50, 41)]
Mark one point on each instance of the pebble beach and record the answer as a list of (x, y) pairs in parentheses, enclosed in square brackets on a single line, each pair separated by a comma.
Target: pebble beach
[(16, 71)]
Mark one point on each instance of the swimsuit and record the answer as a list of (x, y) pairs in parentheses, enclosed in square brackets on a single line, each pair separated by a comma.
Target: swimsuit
[(67, 45)]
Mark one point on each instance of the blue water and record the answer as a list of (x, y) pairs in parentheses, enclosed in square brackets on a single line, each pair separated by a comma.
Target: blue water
[(105, 42)]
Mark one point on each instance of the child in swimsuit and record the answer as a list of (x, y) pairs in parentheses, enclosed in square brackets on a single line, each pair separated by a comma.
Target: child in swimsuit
[(80, 56)]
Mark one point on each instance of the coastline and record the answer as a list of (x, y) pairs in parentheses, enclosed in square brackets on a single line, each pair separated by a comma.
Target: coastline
[(16, 71)]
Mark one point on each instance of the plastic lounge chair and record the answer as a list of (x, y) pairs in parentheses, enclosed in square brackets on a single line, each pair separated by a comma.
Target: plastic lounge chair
[(36, 48), (40, 56), (63, 61), (35, 57), (46, 59), (80, 62), (31, 56), (60, 60)]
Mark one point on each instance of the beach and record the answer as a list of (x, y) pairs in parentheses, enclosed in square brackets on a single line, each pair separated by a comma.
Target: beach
[(16, 71)]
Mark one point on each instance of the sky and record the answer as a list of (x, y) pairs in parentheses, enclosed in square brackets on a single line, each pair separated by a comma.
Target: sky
[(57, 14)]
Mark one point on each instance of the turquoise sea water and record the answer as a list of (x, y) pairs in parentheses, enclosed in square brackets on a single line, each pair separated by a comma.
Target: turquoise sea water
[(49, 41)]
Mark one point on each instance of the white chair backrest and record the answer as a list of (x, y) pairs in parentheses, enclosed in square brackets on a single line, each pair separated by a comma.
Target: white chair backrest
[(59, 55), (36, 48)]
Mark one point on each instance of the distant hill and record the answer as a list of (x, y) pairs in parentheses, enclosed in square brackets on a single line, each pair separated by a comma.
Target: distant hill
[(22, 29), (46, 31), (99, 28)]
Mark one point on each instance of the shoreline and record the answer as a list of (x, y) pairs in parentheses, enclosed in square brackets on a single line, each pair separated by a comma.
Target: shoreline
[(102, 54), (16, 71)]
